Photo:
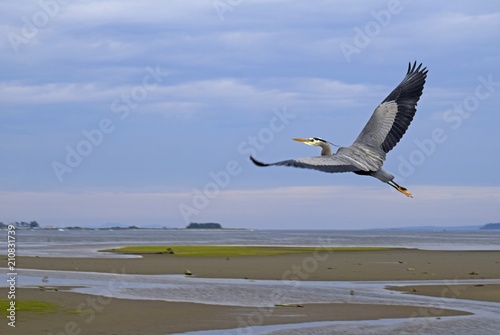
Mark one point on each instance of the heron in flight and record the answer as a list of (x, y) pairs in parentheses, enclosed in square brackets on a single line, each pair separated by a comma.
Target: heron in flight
[(384, 129)]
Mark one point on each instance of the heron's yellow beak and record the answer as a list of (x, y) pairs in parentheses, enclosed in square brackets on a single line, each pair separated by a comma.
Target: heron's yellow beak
[(300, 139)]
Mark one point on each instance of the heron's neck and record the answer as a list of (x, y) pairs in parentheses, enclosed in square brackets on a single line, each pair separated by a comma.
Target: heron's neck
[(325, 149)]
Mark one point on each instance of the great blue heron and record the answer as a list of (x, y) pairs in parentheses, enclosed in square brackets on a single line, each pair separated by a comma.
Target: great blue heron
[(384, 129)]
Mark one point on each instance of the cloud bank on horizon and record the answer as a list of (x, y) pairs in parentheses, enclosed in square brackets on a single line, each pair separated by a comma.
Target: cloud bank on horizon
[(147, 111)]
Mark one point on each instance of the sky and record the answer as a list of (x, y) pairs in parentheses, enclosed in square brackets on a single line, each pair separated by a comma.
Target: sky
[(145, 112)]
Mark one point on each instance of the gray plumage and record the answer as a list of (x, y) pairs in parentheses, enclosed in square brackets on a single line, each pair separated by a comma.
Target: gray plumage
[(383, 131)]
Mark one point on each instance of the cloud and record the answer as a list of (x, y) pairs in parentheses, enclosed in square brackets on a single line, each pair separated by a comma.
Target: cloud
[(335, 207), (226, 77), (149, 11), (221, 94), (88, 207), (54, 93), (354, 207), (474, 28)]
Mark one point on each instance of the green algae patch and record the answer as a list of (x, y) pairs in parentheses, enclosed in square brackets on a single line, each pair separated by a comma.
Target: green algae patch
[(23, 305), (231, 251)]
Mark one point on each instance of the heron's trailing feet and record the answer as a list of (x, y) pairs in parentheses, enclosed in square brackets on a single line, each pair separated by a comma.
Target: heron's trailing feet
[(400, 188), (405, 191)]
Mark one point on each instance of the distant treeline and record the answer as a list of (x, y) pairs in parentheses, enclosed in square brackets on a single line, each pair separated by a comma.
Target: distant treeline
[(21, 224), (491, 226), (209, 225)]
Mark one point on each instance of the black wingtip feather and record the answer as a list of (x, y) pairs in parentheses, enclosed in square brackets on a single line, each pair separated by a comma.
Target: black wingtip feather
[(406, 95), (256, 162), (414, 69)]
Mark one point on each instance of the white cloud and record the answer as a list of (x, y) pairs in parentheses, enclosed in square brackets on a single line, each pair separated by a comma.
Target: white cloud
[(87, 207), (355, 207), (54, 93), (334, 207), (134, 11), (225, 95), (226, 78)]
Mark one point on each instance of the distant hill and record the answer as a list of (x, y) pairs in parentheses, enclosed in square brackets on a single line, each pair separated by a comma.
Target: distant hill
[(491, 226), (432, 228), (209, 225), (112, 225)]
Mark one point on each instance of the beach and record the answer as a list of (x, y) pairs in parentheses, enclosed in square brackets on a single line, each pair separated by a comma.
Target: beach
[(392, 264), (80, 313), (125, 316)]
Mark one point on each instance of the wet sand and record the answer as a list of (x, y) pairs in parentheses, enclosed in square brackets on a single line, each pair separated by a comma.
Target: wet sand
[(86, 314), (482, 292), (394, 264), (98, 315)]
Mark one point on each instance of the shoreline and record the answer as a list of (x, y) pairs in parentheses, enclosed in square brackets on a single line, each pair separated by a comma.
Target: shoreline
[(125, 316), (480, 292), (383, 265), (88, 314)]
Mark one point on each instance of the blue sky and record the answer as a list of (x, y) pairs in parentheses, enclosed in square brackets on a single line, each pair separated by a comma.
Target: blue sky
[(145, 112)]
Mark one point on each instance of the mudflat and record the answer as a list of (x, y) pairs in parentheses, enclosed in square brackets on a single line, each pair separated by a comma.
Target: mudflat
[(392, 264), (86, 314)]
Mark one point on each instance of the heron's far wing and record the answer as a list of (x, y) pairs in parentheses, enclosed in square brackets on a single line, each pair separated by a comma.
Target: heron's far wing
[(391, 118), (332, 163)]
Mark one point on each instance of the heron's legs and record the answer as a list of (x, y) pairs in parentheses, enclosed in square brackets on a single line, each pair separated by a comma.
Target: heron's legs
[(400, 188)]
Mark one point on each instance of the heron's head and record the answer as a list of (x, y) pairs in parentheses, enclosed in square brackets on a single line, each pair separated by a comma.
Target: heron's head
[(316, 141)]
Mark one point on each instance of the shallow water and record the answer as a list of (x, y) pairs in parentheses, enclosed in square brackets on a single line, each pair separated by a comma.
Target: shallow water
[(291, 328), (85, 243), (267, 293)]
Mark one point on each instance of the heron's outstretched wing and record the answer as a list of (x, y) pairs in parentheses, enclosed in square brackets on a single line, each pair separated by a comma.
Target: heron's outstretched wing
[(392, 117), (331, 163)]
